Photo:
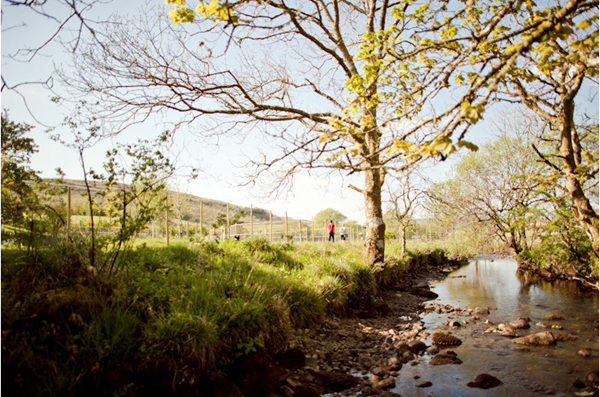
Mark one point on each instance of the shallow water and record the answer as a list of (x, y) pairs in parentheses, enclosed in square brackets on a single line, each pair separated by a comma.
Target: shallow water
[(495, 283)]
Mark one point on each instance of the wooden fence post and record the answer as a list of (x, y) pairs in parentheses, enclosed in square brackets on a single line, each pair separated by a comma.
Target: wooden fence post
[(271, 226), (228, 235), (69, 214), (167, 219)]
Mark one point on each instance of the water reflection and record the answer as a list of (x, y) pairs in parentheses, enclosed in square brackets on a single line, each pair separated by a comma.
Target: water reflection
[(494, 282)]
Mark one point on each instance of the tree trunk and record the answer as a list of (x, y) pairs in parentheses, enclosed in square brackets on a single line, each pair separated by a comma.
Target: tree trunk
[(375, 234), (582, 209), (403, 239)]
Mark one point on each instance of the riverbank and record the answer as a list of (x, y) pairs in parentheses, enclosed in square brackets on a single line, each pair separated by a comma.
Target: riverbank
[(172, 318)]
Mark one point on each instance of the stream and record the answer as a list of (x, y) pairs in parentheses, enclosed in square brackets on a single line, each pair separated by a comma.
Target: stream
[(489, 281)]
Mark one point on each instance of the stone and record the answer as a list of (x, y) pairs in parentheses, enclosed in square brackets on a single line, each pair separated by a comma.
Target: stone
[(286, 391), (592, 379), (445, 358), (307, 391), (455, 324), (292, 358), (221, 387), (334, 381), (394, 364), (379, 371), (480, 311), (521, 322), (432, 350), (540, 339), (424, 383), (425, 293), (585, 352), (257, 374), (554, 316), (485, 381), (542, 324), (565, 337), (387, 383), (416, 346), (445, 339)]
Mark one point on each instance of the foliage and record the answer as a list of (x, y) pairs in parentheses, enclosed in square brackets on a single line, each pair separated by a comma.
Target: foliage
[(175, 306), (323, 217)]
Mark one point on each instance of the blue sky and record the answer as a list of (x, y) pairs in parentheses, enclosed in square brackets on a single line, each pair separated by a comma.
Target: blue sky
[(220, 161)]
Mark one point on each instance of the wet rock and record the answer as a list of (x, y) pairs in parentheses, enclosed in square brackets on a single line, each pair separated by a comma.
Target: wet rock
[(592, 379), (292, 358), (286, 391), (432, 350), (307, 391), (334, 381), (385, 384), (507, 330), (585, 352), (565, 337), (445, 358), (480, 311), (257, 374), (521, 322), (424, 383), (554, 316), (485, 381), (540, 339), (407, 356), (542, 324), (387, 393), (455, 324), (416, 346), (425, 293), (378, 371), (445, 339), (394, 364)]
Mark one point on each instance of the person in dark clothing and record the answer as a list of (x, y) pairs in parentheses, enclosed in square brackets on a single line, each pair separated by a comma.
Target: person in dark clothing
[(331, 230)]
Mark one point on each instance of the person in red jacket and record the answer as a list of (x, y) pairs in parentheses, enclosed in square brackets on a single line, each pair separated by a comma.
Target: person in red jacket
[(331, 230)]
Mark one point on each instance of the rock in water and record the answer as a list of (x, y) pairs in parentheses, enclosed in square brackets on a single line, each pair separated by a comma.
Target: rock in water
[(480, 311), (445, 358), (444, 339), (554, 316), (485, 381), (521, 322), (539, 339)]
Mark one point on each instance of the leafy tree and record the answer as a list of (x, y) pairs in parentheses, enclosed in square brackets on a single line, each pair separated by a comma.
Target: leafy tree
[(297, 73), (323, 217), (406, 196), (491, 186), (18, 195), (547, 80)]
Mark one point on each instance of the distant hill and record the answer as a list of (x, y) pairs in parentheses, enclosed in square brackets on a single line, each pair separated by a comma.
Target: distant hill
[(188, 205)]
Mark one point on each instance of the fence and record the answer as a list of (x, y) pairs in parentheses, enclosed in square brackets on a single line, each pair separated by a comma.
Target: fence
[(275, 229)]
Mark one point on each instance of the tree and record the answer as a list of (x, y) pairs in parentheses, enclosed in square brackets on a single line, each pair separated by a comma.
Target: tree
[(323, 217), (492, 186), (406, 196), (341, 87), (547, 81), (18, 196)]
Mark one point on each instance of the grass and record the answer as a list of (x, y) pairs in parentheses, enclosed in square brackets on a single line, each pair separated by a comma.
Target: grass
[(187, 305)]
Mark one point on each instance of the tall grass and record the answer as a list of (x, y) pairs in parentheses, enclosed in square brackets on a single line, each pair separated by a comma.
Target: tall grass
[(200, 304)]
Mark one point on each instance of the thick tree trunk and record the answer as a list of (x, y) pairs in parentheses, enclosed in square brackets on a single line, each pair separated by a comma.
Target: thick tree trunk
[(374, 242), (582, 209)]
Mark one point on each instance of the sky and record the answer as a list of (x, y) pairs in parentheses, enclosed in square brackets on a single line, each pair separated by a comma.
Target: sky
[(221, 162)]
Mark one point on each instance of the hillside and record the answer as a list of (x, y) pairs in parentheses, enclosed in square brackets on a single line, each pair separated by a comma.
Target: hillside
[(184, 206)]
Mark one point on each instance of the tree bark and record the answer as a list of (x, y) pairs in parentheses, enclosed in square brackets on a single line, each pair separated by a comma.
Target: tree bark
[(582, 209), (375, 235)]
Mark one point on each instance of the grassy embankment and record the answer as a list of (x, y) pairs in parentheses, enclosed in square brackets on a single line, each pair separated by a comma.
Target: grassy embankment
[(185, 308)]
